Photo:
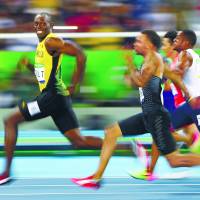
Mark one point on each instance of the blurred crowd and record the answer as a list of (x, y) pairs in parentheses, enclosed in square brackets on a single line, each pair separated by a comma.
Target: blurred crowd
[(17, 15), (97, 16)]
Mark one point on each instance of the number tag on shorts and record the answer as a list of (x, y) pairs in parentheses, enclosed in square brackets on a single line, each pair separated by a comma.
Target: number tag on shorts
[(198, 119), (141, 94), (39, 73), (33, 108)]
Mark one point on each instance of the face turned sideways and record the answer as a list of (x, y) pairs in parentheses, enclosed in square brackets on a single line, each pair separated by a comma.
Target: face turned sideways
[(180, 42), (142, 44), (42, 26), (166, 45)]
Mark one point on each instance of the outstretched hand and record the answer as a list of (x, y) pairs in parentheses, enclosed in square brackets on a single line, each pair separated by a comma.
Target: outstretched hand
[(23, 61)]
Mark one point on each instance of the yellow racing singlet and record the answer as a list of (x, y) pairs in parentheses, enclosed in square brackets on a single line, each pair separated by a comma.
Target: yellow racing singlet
[(48, 69)]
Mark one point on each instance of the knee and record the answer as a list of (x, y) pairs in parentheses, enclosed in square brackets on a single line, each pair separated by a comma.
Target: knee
[(107, 132), (76, 139), (10, 121), (113, 131), (79, 144), (173, 161)]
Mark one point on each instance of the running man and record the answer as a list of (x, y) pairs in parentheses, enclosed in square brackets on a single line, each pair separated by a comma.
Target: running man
[(188, 113), (54, 99), (172, 94), (154, 118)]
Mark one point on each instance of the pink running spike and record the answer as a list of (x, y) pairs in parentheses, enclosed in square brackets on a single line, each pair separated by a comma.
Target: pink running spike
[(87, 182)]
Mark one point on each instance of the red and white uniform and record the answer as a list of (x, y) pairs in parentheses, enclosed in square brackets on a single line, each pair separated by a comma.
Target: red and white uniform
[(176, 91)]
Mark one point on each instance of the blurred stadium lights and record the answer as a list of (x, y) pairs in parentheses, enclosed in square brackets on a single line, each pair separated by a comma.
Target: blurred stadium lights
[(80, 35), (65, 27), (75, 35)]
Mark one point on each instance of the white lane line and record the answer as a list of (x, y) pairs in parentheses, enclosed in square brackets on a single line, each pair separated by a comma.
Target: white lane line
[(108, 184), (67, 177), (95, 193), (164, 177)]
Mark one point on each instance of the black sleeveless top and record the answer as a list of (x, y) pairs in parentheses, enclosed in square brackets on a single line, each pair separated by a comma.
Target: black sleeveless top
[(150, 95)]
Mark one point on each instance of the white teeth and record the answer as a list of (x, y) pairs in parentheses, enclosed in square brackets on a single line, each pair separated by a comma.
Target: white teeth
[(39, 32)]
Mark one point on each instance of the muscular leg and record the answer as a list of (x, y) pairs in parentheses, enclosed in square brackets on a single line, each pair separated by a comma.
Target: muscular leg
[(155, 153), (79, 141), (109, 143), (11, 133), (154, 157), (176, 159), (112, 133)]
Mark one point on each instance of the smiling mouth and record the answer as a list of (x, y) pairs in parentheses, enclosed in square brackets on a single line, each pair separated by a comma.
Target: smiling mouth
[(39, 32)]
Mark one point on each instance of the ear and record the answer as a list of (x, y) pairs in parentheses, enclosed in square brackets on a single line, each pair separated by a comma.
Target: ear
[(186, 43), (148, 45)]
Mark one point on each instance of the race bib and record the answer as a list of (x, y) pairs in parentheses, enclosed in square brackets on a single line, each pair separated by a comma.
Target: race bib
[(141, 94), (33, 108), (39, 73), (198, 119)]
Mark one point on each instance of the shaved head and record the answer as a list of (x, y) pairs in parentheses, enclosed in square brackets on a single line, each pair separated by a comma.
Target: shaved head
[(43, 25), (47, 16)]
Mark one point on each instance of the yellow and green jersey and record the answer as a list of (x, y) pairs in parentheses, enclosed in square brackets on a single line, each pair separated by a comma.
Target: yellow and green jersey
[(48, 69)]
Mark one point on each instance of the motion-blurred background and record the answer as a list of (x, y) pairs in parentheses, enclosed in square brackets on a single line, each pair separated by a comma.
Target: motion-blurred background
[(103, 96)]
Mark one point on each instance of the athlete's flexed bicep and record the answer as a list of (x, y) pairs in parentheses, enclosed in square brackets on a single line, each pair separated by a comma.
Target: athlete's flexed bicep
[(57, 46)]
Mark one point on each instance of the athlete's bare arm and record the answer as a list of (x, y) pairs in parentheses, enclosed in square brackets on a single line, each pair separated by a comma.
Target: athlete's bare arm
[(141, 77), (56, 46), (185, 61), (176, 75)]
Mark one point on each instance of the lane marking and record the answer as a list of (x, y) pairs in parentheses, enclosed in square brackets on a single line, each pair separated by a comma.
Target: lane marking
[(96, 193), (108, 184), (167, 176)]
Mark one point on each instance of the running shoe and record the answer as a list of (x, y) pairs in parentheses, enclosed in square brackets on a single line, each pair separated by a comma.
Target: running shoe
[(78, 179), (143, 175), (141, 153), (4, 178), (87, 182)]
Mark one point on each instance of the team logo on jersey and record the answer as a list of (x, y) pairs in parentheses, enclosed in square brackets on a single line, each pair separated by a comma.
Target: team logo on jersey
[(39, 53)]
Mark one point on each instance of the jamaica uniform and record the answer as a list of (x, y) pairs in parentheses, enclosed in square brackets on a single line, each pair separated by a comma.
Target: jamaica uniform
[(154, 118), (54, 99)]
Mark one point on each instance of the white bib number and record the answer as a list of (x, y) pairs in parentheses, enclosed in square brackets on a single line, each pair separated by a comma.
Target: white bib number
[(141, 94), (198, 119), (33, 108), (39, 73)]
